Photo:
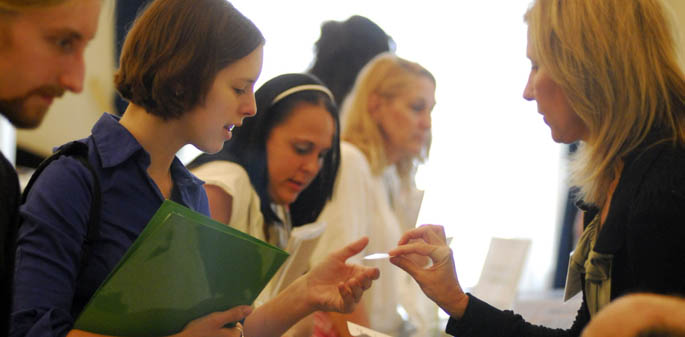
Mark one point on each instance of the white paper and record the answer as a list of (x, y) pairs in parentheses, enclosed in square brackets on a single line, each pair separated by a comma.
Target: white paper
[(376, 256), (499, 280), (360, 331)]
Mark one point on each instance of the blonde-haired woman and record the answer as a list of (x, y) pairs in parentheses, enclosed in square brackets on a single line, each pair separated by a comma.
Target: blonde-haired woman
[(386, 133), (604, 73)]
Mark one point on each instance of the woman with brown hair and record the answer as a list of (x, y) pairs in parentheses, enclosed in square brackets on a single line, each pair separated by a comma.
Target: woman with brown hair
[(188, 69)]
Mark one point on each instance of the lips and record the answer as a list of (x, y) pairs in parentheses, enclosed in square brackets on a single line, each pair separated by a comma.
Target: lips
[(227, 133), (295, 184)]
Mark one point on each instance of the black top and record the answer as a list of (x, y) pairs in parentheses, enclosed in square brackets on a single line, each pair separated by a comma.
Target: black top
[(9, 203), (645, 230)]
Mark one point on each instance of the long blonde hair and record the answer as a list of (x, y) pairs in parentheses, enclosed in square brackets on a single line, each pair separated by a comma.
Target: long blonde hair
[(617, 62), (385, 75)]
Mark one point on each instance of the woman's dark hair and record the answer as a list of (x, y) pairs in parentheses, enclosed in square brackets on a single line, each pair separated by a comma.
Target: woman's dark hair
[(175, 49), (344, 48), (247, 147)]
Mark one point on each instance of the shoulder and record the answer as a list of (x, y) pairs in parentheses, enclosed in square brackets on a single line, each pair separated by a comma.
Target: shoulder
[(657, 179), (353, 159), (64, 175), (660, 171), (229, 176), (9, 182), (61, 195)]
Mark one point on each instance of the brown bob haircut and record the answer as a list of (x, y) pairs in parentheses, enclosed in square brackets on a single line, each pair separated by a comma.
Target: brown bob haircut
[(174, 50)]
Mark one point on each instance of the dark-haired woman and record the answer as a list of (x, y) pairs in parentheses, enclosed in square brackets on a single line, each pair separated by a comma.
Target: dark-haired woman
[(279, 168)]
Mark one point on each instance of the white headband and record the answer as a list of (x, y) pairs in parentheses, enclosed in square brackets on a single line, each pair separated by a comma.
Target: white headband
[(304, 87)]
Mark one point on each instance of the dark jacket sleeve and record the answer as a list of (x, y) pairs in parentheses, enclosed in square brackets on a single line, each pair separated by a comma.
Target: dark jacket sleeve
[(483, 320)]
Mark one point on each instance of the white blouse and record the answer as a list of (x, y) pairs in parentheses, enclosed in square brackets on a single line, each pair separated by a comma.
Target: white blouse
[(246, 213), (361, 206)]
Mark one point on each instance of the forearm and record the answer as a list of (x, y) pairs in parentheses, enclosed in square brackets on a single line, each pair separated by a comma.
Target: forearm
[(280, 313)]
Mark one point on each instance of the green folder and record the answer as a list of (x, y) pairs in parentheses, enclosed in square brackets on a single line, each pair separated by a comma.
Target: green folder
[(183, 266)]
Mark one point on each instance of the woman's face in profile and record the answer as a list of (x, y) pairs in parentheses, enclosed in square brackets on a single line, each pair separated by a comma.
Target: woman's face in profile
[(230, 100), (405, 118), (295, 150), (553, 104)]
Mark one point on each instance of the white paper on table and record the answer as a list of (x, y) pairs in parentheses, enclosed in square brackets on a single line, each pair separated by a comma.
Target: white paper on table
[(360, 331), (499, 279)]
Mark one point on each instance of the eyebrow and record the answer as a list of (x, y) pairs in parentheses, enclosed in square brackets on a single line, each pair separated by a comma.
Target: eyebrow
[(67, 32), (247, 80)]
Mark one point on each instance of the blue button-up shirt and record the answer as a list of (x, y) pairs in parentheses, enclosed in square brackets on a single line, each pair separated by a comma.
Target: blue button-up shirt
[(50, 287)]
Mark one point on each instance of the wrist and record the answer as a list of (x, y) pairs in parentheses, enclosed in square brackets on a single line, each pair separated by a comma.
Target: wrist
[(300, 296), (456, 303), (310, 299)]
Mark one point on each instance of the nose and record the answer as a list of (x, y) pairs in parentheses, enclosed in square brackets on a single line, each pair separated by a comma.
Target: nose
[(312, 164), (425, 121), (71, 77), (528, 92), (250, 106)]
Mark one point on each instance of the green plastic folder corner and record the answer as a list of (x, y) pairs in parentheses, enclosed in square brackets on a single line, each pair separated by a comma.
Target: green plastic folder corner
[(183, 266)]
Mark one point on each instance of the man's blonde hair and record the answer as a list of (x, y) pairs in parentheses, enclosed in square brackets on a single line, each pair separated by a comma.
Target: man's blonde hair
[(386, 75), (617, 62)]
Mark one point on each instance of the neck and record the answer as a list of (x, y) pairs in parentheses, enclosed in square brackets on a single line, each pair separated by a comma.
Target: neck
[(159, 137), (392, 157)]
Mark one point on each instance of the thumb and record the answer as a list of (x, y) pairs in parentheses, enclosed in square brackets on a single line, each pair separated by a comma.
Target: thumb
[(406, 264), (350, 250)]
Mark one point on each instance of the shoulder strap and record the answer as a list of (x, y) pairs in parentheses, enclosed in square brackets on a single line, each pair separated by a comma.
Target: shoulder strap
[(79, 151)]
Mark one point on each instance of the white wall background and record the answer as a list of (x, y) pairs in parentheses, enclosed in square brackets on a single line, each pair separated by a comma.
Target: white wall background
[(494, 170)]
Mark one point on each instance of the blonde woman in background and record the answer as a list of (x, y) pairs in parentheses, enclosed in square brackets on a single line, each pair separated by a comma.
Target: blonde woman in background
[(386, 133), (604, 73)]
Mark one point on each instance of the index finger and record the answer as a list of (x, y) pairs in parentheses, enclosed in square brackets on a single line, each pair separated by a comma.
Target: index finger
[(428, 233), (420, 248), (350, 250)]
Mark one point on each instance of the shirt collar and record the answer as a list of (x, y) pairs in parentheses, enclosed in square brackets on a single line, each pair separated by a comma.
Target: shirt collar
[(181, 174), (116, 144)]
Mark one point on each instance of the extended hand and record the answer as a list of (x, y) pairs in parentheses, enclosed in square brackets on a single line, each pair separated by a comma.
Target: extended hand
[(333, 285), (439, 282)]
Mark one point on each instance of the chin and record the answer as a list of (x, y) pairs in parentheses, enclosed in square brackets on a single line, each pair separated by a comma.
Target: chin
[(213, 148), (286, 199), (25, 117), (564, 140)]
